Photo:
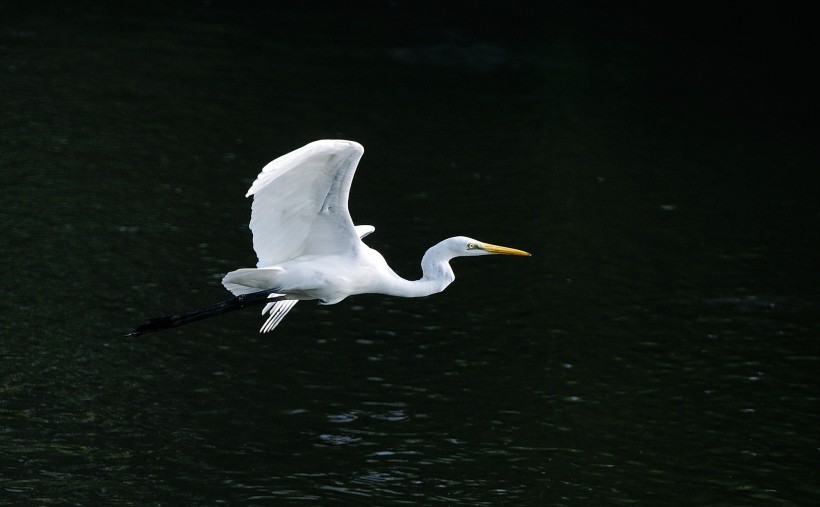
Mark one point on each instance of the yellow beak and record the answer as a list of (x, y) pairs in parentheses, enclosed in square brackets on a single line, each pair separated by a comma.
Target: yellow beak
[(495, 249)]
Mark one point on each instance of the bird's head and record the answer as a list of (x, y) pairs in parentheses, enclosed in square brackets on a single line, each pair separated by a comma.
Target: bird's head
[(463, 246)]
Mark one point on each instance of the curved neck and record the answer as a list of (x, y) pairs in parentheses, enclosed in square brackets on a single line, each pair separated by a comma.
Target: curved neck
[(436, 275)]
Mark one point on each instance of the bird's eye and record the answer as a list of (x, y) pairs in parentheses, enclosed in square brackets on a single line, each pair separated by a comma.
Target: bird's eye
[(471, 246)]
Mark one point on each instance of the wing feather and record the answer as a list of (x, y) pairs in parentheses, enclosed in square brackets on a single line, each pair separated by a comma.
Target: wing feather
[(278, 309), (300, 203)]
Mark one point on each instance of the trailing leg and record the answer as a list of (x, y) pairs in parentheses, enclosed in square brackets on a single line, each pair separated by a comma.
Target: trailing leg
[(235, 303)]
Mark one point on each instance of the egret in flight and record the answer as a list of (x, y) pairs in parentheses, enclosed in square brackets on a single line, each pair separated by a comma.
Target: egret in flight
[(308, 247)]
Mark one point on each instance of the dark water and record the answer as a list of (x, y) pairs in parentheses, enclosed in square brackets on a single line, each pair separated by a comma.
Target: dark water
[(659, 348)]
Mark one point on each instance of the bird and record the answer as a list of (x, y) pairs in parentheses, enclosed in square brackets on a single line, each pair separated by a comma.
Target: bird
[(308, 247)]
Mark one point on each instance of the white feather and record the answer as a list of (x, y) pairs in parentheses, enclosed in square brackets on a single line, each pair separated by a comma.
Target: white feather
[(278, 310), (300, 203)]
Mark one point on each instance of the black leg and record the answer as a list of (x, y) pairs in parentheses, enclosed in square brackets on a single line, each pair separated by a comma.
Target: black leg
[(235, 303)]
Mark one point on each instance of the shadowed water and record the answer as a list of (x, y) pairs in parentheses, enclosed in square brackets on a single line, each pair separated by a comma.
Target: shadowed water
[(660, 347)]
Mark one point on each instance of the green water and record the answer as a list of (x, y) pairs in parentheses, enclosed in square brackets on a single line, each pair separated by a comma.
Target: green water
[(659, 348)]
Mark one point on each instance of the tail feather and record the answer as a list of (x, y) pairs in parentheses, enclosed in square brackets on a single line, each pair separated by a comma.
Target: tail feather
[(249, 280)]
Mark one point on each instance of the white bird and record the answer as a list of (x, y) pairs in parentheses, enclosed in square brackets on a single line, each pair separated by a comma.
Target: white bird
[(308, 247)]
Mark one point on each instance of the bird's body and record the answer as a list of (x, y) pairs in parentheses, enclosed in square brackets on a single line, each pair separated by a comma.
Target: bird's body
[(308, 247), (328, 278)]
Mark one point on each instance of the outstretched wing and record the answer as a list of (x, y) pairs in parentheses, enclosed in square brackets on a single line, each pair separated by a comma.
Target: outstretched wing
[(300, 203)]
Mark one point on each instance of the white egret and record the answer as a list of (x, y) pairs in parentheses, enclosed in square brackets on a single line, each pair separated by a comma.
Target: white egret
[(308, 247)]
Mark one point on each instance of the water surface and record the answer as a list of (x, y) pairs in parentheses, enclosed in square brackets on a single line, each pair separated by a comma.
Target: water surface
[(660, 347)]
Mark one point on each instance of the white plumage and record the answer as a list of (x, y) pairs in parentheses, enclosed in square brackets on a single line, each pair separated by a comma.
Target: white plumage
[(308, 247)]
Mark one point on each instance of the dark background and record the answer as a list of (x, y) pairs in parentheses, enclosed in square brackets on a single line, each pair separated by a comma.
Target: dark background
[(659, 347)]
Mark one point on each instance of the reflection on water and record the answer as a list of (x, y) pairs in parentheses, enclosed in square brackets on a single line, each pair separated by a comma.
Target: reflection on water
[(658, 348)]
